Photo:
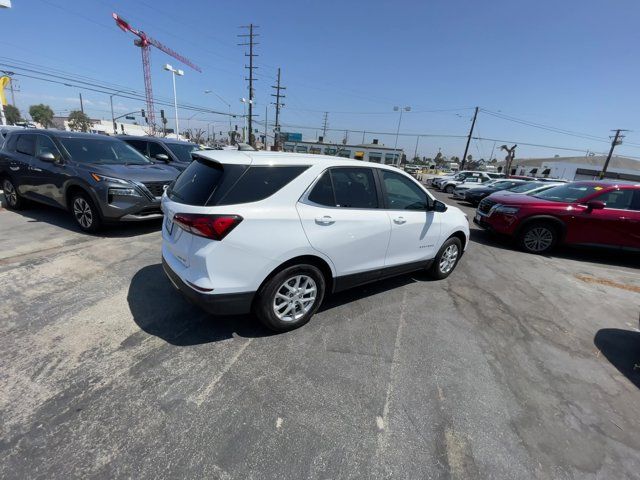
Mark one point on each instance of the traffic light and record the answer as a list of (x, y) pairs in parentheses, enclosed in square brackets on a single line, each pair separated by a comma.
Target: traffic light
[(143, 113), (161, 113)]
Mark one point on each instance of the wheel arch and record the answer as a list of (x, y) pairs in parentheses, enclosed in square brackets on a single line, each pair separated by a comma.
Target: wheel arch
[(314, 260), (460, 235), (75, 187)]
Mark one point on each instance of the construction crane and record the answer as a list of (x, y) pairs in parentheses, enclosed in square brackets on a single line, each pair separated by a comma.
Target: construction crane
[(145, 42)]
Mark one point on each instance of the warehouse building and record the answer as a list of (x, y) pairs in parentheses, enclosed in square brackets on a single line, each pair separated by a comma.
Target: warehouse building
[(369, 152), (577, 168)]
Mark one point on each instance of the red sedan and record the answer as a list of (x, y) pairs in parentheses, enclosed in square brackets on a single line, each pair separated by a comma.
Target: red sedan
[(586, 213)]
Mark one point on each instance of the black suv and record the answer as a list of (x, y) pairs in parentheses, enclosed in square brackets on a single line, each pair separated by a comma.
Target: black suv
[(173, 152), (97, 178)]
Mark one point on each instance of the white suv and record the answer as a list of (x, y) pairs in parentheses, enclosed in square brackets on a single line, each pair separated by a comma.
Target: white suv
[(273, 233)]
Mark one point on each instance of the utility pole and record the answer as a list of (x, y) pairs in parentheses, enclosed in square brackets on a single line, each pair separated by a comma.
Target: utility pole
[(81, 105), (325, 124), (266, 122), (251, 68), (113, 117), (278, 105), (466, 148), (617, 140), (415, 154)]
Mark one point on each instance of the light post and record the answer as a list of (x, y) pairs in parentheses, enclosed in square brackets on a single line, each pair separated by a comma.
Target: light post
[(174, 72), (226, 103), (113, 117), (244, 111), (399, 109)]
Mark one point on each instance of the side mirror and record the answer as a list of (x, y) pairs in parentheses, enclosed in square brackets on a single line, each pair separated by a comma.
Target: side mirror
[(47, 157), (439, 206), (162, 157), (595, 205)]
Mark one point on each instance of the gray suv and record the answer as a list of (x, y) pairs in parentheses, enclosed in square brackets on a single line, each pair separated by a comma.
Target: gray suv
[(173, 152), (99, 179)]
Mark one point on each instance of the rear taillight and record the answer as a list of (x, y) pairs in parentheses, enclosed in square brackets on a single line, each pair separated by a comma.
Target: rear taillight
[(215, 227)]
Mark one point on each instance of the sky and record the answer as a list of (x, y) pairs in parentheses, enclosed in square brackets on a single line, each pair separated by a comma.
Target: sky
[(570, 65)]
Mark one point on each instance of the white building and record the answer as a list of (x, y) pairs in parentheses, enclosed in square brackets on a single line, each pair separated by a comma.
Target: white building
[(369, 152), (577, 168)]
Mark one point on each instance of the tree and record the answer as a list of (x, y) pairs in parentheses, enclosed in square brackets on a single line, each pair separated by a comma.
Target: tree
[(42, 114), (12, 114), (79, 121)]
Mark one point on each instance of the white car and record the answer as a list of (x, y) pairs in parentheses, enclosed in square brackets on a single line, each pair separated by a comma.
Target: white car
[(274, 233), (476, 178)]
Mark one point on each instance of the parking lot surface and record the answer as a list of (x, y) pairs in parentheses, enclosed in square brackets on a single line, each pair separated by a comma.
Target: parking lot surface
[(516, 366)]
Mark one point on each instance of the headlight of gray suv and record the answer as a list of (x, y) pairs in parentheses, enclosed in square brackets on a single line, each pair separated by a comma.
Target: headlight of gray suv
[(104, 178)]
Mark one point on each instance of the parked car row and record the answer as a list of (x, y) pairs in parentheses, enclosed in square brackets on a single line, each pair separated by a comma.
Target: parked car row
[(540, 214), (98, 179)]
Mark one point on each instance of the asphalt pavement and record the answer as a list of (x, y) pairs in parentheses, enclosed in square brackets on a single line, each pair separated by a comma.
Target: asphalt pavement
[(516, 366)]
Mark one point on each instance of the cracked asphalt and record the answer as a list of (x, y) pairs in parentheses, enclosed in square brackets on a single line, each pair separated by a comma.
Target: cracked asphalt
[(516, 366)]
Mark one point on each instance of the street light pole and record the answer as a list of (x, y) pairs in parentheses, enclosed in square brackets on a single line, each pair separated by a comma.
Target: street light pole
[(400, 109), (174, 72), (228, 106)]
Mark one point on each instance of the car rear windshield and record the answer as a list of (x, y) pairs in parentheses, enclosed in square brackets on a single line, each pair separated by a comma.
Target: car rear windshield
[(205, 183), (99, 151), (183, 150), (568, 193)]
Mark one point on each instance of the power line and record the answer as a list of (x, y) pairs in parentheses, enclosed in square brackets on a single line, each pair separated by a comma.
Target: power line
[(545, 127)]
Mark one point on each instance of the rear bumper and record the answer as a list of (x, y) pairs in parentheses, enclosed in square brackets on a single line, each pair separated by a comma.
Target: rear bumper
[(216, 304)]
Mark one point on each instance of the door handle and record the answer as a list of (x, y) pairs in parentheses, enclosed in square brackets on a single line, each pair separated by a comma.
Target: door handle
[(399, 220), (35, 169), (326, 220)]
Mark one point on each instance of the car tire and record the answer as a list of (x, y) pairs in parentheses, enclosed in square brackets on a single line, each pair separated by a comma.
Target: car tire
[(538, 237), (12, 198), (450, 189), (85, 213), (446, 259), (282, 293)]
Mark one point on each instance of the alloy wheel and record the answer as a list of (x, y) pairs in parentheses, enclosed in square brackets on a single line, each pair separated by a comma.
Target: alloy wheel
[(449, 258), (82, 212), (295, 298), (10, 193), (538, 239)]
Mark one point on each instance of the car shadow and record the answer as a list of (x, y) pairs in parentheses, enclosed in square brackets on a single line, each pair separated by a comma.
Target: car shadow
[(622, 349), (601, 255), (160, 310), (36, 212), (372, 289)]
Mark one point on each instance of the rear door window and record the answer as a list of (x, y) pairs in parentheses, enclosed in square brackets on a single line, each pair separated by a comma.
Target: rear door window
[(354, 187), (259, 182), (26, 144), (322, 192)]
